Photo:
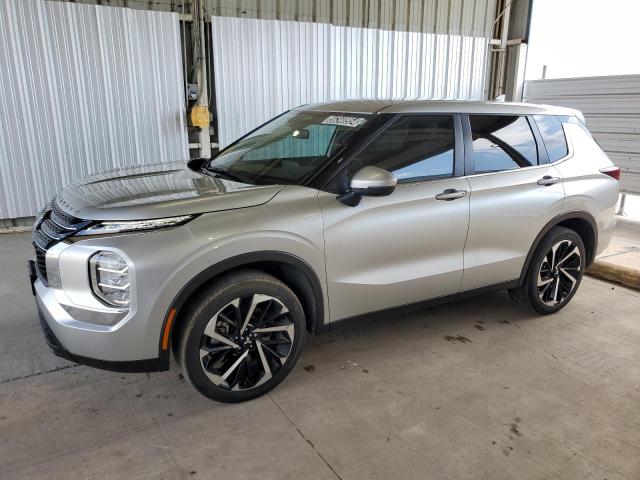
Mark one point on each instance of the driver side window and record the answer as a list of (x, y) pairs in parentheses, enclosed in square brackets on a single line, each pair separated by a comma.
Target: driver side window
[(414, 148)]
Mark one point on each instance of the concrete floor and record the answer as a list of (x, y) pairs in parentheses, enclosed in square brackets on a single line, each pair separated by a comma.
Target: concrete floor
[(479, 389)]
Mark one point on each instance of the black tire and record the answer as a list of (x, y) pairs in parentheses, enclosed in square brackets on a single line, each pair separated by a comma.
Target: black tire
[(554, 279), (260, 365)]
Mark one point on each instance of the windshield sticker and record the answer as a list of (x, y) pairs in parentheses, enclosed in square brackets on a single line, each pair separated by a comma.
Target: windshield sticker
[(344, 121)]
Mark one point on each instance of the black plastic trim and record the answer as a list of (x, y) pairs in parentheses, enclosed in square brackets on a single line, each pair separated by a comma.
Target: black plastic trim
[(33, 275), (574, 214), (459, 146), (319, 325), (468, 144), (422, 304), (133, 366), (543, 154)]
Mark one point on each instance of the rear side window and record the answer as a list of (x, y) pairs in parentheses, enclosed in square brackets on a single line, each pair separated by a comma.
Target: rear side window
[(413, 148), (553, 136), (502, 142)]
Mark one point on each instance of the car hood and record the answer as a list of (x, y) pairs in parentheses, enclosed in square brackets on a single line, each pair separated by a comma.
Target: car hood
[(156, 191)]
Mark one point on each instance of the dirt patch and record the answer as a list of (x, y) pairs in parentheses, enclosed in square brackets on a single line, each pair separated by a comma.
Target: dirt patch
[(310, 368), (514, 427), (456, 339)]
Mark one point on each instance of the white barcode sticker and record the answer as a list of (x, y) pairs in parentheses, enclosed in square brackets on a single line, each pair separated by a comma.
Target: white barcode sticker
[(344, 121)]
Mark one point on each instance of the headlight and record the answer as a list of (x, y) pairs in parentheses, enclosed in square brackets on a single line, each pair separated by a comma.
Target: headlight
[(135, 226), (110, 278)]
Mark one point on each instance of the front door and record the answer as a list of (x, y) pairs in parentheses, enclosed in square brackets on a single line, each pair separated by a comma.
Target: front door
[(408, 246)]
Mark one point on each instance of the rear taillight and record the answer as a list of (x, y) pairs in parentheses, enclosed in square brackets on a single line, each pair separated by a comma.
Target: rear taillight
[(613, 172)]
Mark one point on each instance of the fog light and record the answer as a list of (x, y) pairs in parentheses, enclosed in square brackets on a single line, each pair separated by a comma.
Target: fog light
[(110, 279)]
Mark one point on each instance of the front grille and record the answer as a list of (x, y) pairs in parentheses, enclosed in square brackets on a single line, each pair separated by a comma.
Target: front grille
[(41, 264), (64, 219), (52, 227)]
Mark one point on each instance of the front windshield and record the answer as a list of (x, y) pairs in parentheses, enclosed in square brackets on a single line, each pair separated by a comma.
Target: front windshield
[(289, 148)]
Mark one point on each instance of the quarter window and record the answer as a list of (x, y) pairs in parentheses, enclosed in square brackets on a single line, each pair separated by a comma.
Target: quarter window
[(502, 143), (413, 148), (553, 136)]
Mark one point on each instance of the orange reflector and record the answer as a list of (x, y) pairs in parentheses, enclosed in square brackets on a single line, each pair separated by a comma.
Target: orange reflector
[(167, 329)]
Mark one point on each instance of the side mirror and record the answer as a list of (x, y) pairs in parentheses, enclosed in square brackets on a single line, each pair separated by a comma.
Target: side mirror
[(370, 182)]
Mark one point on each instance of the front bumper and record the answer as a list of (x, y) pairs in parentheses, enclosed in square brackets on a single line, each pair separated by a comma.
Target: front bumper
[(151, 365), (61, 330)]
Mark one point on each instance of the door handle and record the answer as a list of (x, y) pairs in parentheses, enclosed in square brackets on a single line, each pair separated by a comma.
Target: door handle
[(450, 194), (548, 180)]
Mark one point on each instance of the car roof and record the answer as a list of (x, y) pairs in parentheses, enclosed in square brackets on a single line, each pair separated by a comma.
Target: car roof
[(437, 106)]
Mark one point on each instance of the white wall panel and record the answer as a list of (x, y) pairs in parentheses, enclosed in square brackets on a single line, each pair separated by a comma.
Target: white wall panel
[(611, 106), (84, 89), (458, 17), (264, 67)]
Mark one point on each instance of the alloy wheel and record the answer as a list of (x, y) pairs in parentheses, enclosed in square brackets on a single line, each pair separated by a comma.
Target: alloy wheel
[(247, 342), (559, 273)]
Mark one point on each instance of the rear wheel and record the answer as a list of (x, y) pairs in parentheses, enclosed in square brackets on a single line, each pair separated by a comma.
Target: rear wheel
[(555, 272), (242, 337)]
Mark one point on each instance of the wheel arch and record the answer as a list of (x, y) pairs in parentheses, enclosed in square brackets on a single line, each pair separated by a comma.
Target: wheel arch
[(579, 221), (290, 269)]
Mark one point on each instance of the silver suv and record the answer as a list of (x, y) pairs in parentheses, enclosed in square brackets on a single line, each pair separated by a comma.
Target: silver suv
[(324, 213)]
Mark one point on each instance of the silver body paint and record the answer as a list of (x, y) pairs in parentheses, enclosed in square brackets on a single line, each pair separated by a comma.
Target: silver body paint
[(385, 252)]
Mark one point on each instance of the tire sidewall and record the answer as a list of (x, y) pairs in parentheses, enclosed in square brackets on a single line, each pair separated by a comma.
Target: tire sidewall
[(210, 305), (556, 235)]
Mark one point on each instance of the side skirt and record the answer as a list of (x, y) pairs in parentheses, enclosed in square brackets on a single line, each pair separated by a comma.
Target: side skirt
[(422, 305)]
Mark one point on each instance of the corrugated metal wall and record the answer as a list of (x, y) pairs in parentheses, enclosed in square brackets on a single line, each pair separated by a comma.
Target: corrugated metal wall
[(84, 89), (429, 16), (472, 18), (264, 67), (611, 106)]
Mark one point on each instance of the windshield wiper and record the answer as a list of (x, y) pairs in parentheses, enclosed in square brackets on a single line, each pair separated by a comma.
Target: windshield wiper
[(225, 173)]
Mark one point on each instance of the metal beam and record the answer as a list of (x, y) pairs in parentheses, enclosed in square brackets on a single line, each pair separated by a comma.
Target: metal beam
[(509, 49)]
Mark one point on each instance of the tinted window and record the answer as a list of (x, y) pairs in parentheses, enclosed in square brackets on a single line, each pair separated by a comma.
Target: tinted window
[(313, 141), (502, 143), (290, 147), (414, 148), (552, 135)]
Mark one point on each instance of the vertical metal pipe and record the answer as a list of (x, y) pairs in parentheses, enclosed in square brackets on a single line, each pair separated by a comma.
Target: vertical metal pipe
[(203, 88), (623, 199)]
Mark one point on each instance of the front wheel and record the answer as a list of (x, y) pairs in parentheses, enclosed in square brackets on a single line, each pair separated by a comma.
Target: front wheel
[(555, 272), (242, 337)]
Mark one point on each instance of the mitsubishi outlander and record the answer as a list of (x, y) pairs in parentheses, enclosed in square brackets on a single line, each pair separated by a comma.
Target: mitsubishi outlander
[(325, 213)]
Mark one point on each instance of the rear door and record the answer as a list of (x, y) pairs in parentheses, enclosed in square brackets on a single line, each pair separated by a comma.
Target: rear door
[(515, 192), (407, 246)]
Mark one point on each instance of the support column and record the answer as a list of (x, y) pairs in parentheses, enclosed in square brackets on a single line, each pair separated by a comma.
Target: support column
[(509, 49), (203, 87), (514, 81)]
